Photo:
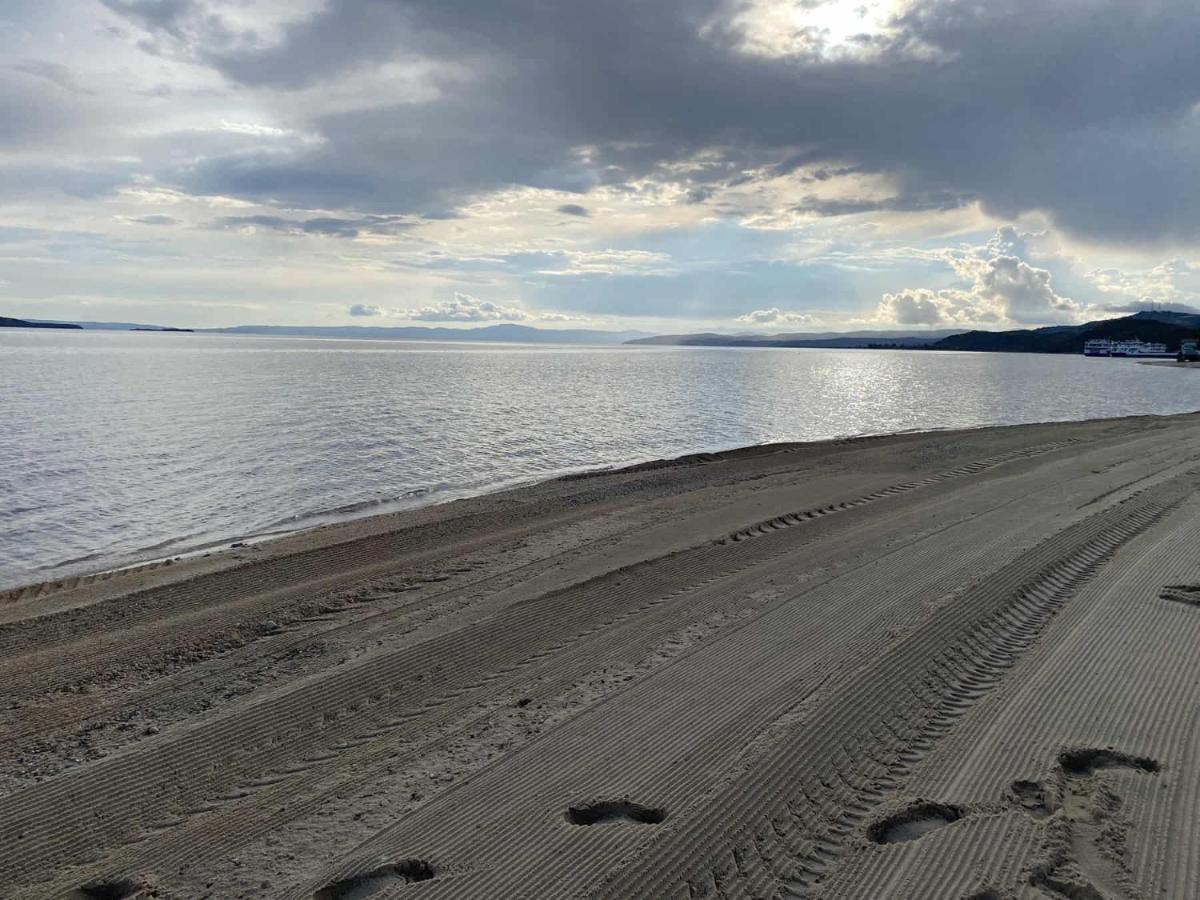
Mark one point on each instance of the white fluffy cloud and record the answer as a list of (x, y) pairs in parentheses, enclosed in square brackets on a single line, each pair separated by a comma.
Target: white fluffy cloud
[(1001, 288), (1174, 284), (465, 308), (922, 306), (462, 308), (1021, 292), (776, 316)]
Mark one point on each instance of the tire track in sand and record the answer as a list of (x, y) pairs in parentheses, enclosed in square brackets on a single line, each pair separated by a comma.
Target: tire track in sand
[(902, 687), (785, 825), (260, 737)]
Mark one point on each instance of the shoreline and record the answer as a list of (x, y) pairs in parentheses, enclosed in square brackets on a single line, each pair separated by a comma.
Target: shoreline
[(334, 521)]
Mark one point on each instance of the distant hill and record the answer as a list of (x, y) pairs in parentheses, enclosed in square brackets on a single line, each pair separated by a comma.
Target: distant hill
[(6, 322), (100, 326), (828, 339), (1162, 327), (523, 334)]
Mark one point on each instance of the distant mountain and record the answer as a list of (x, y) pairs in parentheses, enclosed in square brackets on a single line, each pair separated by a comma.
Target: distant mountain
[(523, 334), (102, 326), (828, 339), (1164, 327), (6, 322), (1161, 327)]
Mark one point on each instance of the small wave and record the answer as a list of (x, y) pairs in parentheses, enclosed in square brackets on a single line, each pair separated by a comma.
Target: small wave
[(78, 560), (358, 509)]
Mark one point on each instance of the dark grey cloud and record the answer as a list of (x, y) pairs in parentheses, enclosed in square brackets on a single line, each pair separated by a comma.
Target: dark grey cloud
[(1079, 109), (574, 209), (325, 226), (917, 202), (274, 223), (156, 15), (155, 220)]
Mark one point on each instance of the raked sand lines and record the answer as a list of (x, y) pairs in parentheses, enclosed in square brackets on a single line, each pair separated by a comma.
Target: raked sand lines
[(817, 670)]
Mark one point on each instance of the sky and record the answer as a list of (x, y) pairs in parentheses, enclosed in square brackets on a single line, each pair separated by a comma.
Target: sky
[(664, 165)]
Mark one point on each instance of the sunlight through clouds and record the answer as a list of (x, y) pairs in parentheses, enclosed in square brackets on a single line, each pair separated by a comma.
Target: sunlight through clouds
[(687, 161), (827, 29)]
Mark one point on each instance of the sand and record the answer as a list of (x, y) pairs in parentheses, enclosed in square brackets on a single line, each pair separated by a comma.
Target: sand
[(959, 664)]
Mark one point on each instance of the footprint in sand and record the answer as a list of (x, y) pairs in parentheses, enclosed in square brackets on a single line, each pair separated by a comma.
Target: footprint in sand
[(615, 812), (1078, 867), (114, 889), (367, 884), (914, 821)]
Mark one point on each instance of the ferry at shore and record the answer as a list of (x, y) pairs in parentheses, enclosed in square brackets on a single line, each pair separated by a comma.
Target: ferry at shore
[(1106, 347)]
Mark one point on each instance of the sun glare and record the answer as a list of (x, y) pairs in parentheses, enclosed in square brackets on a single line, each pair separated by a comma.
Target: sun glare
[(832, 28)]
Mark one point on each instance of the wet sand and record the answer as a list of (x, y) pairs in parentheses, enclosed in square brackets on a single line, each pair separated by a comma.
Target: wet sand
[(957, 664)]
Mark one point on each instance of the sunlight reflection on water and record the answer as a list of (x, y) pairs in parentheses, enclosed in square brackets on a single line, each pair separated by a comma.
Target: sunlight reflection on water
[(120, 446)]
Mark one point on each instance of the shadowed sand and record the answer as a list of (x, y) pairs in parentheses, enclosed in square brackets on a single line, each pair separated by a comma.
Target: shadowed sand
[(959, 664)]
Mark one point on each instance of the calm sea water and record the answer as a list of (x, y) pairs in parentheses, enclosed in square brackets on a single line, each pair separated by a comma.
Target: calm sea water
[(120, 447)]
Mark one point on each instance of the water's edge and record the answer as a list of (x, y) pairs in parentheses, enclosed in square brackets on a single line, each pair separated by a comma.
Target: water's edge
[(358, 513)]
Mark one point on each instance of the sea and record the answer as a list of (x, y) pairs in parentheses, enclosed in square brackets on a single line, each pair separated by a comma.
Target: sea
[(122, 447)]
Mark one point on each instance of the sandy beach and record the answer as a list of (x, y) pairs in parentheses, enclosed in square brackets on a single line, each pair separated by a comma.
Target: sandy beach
[(952, 664)]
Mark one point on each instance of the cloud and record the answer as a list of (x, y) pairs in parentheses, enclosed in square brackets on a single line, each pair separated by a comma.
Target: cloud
[(599, 262), (330, 227), (155, 220), (1137, 306), (55, 73), (604, 93), (1175, 282), (1002, 289), (1022, 292), (325, 226), (366, 136), (1007, 241), (915, 306), (776, 316), (167, 15), (464, 308), (939, 201), (254, 129)]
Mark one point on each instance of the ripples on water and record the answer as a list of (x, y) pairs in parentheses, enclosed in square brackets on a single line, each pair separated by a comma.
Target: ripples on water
[(116, 447)]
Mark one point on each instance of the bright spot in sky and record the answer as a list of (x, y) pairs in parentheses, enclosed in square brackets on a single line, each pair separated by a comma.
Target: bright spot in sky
[(803, 27), (840, 21)]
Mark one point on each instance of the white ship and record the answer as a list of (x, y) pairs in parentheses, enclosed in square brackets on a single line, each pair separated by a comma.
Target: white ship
[(1105, 347)]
